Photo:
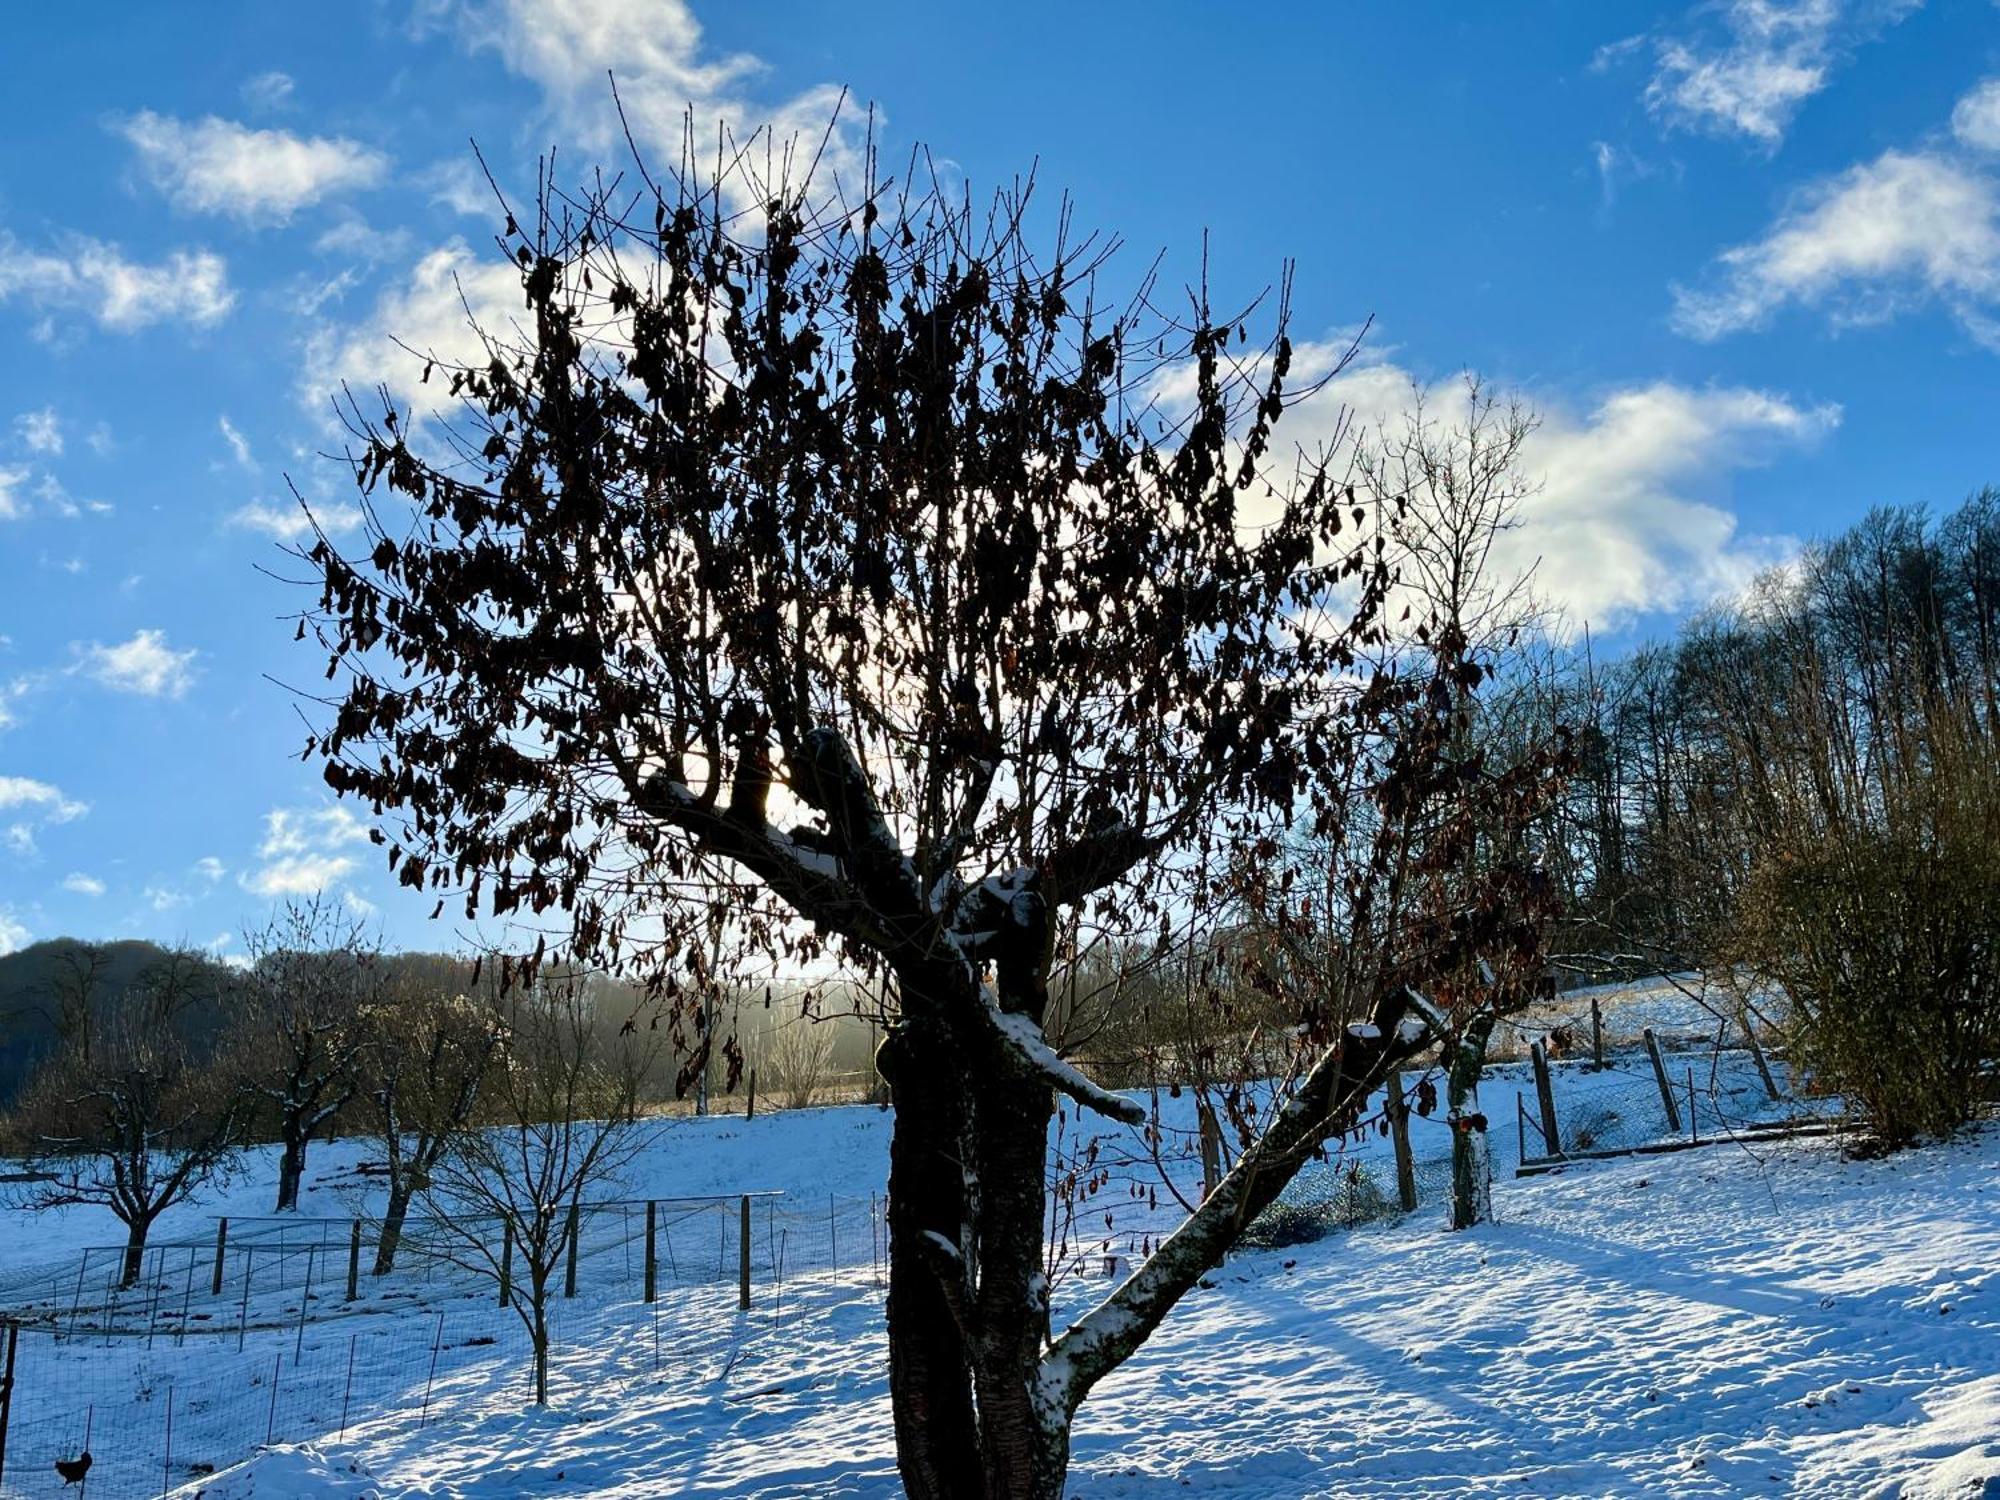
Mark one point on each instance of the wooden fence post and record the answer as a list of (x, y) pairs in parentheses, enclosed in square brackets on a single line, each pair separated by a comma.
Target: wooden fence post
[(652, 1251), (1757, 1055), (354, 1261), (1597, 1033), (221, 1244), (1660, 1077), (1545, 1096), (1399, 1134), (1211, 1151), (743, 1253), (507, 1264), (575, 1233)]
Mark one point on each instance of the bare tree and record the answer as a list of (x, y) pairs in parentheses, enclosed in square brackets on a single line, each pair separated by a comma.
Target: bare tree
[(74, 994), (428, 1048), (145, 1123), (797, 1059), (313, 970), (853, 564), (564, 1105)]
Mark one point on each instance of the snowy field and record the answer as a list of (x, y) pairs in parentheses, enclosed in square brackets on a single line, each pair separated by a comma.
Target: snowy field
[(1739, 1320)]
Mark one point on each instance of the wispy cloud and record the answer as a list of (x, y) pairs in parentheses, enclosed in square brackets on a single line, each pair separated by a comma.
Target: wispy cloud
[(145, 665), (259, 176), (1906, 229), (1748, 71), (40, 432), (96, 278), (30, 806), (79, 884), (301, 851)]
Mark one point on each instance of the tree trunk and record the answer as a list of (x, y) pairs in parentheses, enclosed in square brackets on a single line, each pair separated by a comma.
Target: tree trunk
[(135, 1252), (930, 1376), (1022, 1458), (291, 1168), (392, 1229), (541, 1332), (1468, 1127)]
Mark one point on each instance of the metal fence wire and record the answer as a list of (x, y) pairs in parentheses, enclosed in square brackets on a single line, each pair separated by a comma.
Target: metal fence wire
[(164, 1382)]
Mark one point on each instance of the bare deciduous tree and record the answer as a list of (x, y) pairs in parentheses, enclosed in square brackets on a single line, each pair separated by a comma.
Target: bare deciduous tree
[(145, 1122), (563, 1102)]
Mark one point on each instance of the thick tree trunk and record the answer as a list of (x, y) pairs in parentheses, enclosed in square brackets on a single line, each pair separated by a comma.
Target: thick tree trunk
[(930, 1374), (291, 1168), (1022, 1457), (392, 1229)]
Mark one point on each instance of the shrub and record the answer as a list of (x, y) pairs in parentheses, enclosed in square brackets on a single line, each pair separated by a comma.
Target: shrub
[(1884, 930)]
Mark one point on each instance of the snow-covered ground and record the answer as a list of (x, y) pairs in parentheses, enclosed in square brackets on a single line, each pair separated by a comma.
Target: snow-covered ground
[(1731, 1321)]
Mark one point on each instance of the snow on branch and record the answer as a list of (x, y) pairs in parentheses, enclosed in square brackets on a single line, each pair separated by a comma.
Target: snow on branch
[(1024, 1038)]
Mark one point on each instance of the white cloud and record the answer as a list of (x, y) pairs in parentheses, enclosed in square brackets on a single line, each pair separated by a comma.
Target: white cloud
[(1976, 119), (301, 851), (145, 665), (654, 47), (1906, 228), (95, 278), (45, 799), (1771, 56), (1632, 515), (427, 313), (299, 830), (12, 507), (209, 868), (264, 176), (239, 445), (13, 935), (457, 184), (35, 805), (268, 92), (289, 523), (299, 875), (77, 883), (40, 432)]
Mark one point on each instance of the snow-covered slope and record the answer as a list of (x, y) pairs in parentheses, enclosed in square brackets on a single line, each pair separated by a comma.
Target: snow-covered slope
[(1715, 1323)]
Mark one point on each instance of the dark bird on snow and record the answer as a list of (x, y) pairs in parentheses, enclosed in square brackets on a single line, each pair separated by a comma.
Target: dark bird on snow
[(73, 1469)]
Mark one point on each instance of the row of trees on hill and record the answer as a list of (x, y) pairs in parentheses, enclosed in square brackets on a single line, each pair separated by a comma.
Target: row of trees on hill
[(1797, 794)]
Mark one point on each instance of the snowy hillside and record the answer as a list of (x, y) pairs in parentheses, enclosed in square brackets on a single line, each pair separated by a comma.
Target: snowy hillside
[(1718, 1322)]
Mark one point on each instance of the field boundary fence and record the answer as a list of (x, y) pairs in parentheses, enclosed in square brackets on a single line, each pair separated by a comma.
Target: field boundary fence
[(169, 1380)]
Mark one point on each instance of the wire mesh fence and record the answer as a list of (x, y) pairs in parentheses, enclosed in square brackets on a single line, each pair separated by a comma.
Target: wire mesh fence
[(159, 1401)]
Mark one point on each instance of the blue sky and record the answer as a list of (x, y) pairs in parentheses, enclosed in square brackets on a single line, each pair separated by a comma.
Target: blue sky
[(1744, 258)]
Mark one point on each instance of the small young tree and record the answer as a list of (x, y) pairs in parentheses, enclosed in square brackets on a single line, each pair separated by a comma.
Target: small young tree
[(798, 1056), (141, 1126), (427, 1050), (563, 1104), (313, 971)]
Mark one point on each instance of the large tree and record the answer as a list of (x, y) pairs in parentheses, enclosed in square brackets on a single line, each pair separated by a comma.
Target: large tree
[(848, 560)]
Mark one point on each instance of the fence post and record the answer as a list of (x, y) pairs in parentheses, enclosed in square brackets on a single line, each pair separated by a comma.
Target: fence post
[(1597, 1033), (743, 1254), (1399, 1134), (1660, 1077), (354, 1261), (507, 1264), (243, 1317), (347, 1390), (652, 1250), (167, 1460), (1545, 1096), (1694, 1126), (575, 1233), (221, 1244), (304, 1297), (750, 1107), (1757, 1055), (7, 1392), (437, 1343), (271, 1417)]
